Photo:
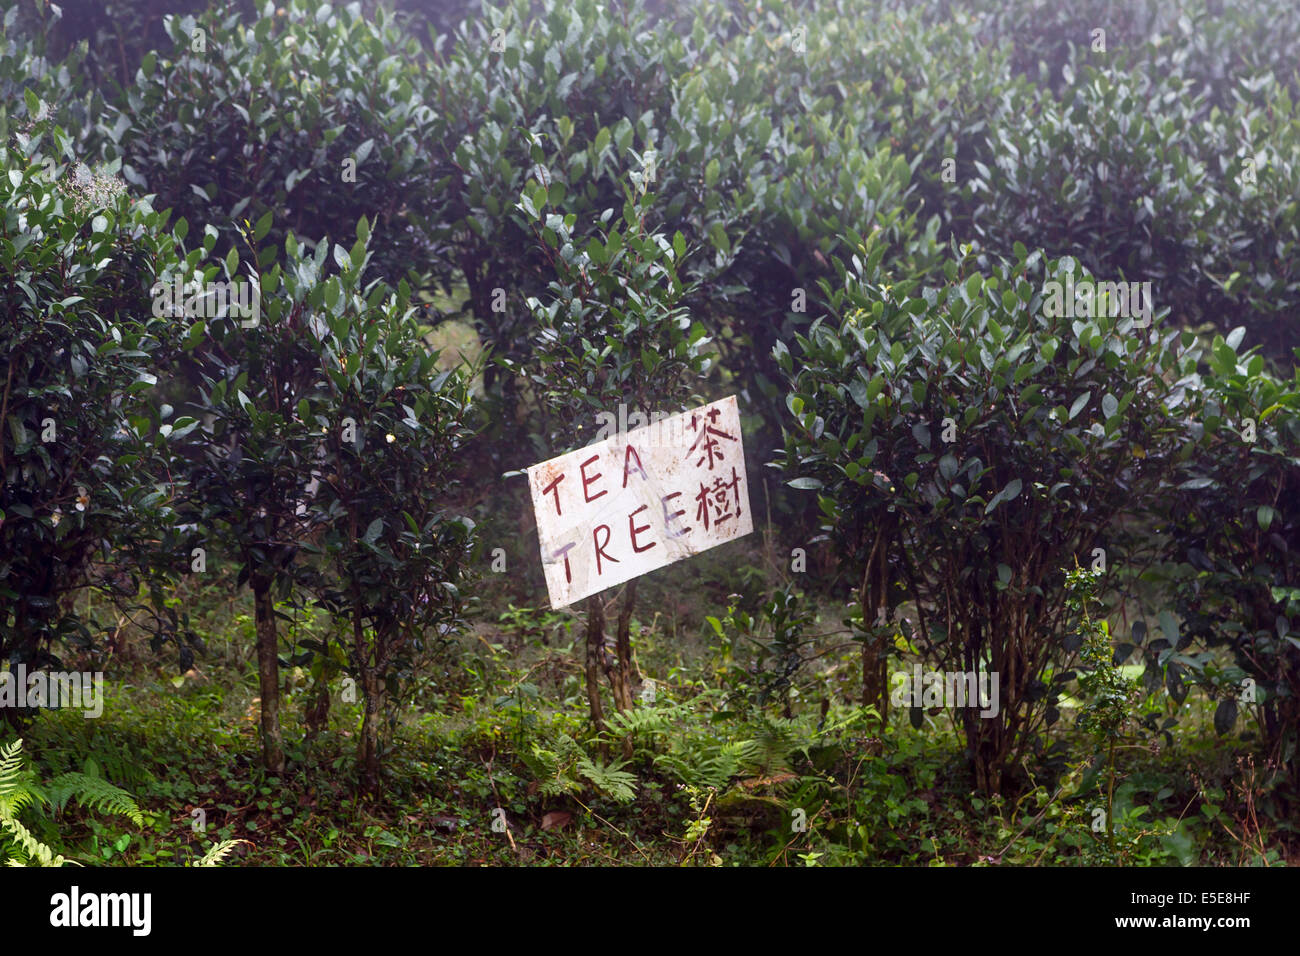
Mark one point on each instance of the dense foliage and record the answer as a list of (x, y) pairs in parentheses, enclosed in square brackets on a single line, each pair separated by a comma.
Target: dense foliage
[(1010, 296)]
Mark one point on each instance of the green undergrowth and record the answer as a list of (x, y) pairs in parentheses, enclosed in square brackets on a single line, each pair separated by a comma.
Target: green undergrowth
[(502, 766)]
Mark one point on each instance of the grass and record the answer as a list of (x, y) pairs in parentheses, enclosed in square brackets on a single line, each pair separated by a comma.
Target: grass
[(498, 721)]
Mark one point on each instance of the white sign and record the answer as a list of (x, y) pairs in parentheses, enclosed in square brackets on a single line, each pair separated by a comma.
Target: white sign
[(640, 500)]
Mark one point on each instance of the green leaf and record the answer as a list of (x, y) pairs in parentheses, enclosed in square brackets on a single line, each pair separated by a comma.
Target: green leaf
[(718, 234), (857, 391), (373, 531), (1169, 627), (263, 226), (1006, 494), (1225, 715), (1078, 405)]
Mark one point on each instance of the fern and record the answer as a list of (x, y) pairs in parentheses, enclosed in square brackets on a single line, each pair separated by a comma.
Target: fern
[(94, 793), (775, 740), (609, 779), (18, 786), (553, 768), (551, 771), (32, 849), (19, 790), (219, 852), (709, 763), (67, 741), (647, 721), (542, 763)]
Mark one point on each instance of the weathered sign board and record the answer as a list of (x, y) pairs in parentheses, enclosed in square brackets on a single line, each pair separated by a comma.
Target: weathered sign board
[(640, 500)]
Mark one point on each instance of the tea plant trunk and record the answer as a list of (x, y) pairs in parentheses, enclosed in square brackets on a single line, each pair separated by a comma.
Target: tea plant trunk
[(875, 648), (318, 714), (368, 757), (623, 648), (595, 649), (268, 669)]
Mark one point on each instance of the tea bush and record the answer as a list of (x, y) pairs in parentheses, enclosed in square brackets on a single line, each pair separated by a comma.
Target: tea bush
[(312, 114), (81, 352), (967, 444)]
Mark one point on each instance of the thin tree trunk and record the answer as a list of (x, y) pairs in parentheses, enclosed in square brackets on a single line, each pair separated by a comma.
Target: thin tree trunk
[(268, 670), (595, 648), (875, 653), (371, 689), (368, 749), (623, 648), (318, 712)]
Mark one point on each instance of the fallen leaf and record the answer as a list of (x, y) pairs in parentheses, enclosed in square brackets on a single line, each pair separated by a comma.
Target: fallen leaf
[(556, 819), (755, 782)]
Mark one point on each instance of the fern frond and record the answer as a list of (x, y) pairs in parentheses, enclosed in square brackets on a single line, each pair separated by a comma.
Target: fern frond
[(615, 783), (94, 793), (219, 852), (776, 739), (33, 848), (559, 785), (23, 796), (18, 786), (708, 763), (11, 765), (749, 754), (718, 768), (74, 743), (641, 720), (543, 763), (551, 767)]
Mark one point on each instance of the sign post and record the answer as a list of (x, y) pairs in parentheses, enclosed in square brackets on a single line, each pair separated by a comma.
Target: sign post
[(640, 500)]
